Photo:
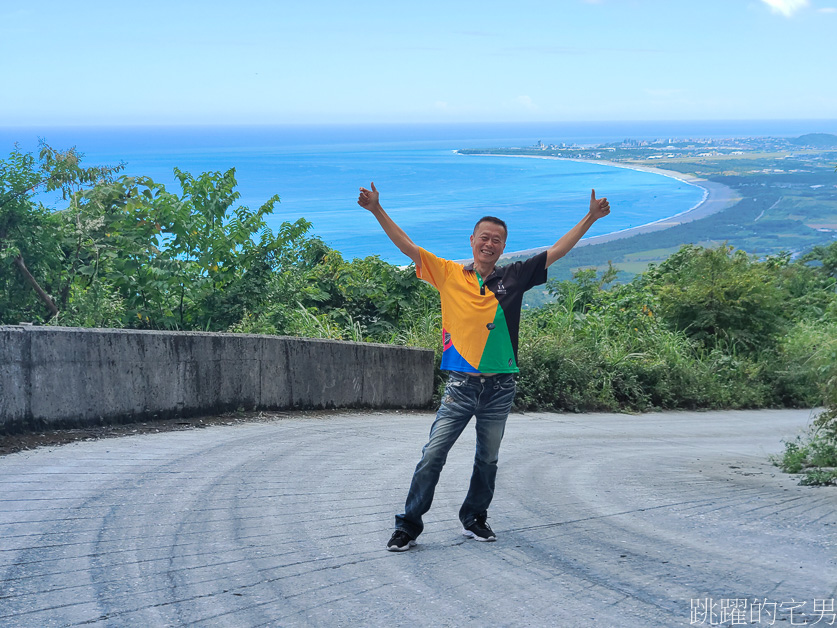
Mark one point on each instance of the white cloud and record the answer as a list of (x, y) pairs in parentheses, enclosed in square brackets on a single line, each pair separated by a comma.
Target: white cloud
[(786, 7), (526, 102), (827, 10)]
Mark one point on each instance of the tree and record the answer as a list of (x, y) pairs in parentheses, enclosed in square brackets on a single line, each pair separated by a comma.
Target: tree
[(826, 256), (29, 232), (378, 296), (127, 252), (719, 297), (191, 261)]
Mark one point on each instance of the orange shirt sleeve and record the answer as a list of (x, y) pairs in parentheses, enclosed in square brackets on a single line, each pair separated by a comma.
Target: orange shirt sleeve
[(434, 270)]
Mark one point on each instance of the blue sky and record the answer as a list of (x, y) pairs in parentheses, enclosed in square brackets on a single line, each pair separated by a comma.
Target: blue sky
[(290, 61)]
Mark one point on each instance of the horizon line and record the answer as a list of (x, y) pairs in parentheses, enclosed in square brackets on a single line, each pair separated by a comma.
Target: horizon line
[(64, 125)]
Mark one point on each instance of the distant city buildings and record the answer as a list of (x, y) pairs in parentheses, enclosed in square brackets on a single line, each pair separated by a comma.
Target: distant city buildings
[(814, 147)]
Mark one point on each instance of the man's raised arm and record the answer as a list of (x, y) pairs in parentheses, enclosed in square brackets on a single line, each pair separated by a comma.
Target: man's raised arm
[(599, 207), (370, 199)]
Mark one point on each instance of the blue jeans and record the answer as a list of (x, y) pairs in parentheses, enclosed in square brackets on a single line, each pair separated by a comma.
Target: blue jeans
[(490, 400)]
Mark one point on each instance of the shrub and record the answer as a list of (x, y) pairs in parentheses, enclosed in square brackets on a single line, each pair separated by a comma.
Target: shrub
[(815, 455), (720, 297)]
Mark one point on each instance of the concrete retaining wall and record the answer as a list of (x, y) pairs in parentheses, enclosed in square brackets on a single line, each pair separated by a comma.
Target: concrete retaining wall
[(62, 377)]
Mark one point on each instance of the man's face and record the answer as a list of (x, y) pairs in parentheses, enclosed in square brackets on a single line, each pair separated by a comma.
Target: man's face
[(488, 242)]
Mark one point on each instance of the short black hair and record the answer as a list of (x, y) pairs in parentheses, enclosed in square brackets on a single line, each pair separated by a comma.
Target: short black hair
[(496, 221)]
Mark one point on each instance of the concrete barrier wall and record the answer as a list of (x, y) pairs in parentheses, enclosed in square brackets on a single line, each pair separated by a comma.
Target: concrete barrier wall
[(62, 377)]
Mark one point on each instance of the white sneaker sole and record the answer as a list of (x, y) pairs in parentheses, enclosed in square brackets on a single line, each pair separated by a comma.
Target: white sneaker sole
[(470, 534), (401, 549)]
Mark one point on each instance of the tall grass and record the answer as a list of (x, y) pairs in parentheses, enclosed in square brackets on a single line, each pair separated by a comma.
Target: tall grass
[(814, 454)]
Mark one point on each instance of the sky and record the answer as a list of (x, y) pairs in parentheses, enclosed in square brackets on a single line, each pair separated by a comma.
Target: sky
[(314, 61)]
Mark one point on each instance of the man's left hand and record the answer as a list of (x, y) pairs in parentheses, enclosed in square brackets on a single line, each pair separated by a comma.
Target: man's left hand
[(599, 207)]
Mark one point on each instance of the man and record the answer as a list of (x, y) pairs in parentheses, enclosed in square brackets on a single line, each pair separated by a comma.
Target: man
[(480, 320)]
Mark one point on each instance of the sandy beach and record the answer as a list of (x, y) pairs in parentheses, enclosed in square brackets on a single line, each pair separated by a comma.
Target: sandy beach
[(716, 198)]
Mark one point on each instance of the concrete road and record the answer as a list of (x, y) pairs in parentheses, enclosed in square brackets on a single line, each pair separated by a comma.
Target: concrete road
[(602, 520)]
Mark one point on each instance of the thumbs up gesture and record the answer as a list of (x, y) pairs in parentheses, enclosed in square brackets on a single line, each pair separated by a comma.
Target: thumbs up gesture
[(599, 207)]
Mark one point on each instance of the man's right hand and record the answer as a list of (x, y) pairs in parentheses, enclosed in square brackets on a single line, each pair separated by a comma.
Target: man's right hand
[(369, 199)]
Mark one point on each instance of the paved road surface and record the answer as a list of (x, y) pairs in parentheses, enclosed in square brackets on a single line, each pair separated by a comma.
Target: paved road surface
[(602, 520)]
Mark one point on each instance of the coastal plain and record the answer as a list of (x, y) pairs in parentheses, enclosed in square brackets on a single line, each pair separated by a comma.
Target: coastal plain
[(765, 196)]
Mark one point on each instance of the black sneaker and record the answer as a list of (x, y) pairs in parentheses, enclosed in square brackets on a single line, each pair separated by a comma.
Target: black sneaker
[(400, 541), (479, 530)]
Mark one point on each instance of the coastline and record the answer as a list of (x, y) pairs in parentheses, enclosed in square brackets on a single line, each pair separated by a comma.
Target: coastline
[(716, 197)]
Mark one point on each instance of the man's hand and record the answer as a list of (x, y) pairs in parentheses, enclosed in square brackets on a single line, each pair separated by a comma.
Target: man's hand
[(369, 199), (599, 207)]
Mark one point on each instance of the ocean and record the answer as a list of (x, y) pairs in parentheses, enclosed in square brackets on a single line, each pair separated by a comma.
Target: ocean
[(434, 194)]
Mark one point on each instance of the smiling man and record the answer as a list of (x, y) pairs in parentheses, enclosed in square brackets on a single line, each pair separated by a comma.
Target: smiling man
[(480, 319)]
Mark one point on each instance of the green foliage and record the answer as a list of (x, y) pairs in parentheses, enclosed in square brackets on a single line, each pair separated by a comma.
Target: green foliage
[(365, 299), (30, 234), (824, 255), (584, 288), (819, 477), (719, 298), (815, 456), (681, 336), (97, 305), (126, 252), (604, 349), (187, 261)]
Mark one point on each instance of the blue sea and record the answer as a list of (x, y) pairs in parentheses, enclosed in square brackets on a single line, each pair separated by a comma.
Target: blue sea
[(434, 194)]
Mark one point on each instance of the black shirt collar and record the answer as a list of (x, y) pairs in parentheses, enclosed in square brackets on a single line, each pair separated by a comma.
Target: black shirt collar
[(470, 266)]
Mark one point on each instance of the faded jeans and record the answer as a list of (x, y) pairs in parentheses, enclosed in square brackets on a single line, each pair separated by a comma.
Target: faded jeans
[(490, 400)]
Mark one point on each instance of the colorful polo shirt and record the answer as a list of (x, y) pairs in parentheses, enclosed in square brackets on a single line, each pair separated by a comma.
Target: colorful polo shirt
[(481, 316)]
